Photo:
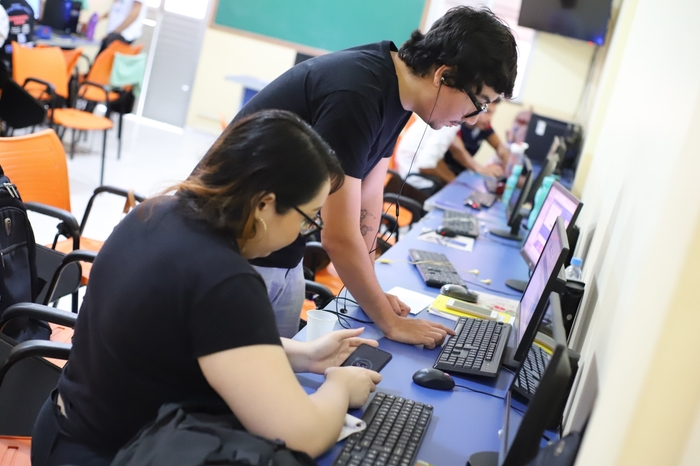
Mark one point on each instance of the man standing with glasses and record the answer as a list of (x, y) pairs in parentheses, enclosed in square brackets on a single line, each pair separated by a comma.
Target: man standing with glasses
[(359, 100)]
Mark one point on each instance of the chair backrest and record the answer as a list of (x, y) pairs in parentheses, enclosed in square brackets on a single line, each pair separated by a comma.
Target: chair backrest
[(71, 56), (36, 164), (23, 391), (102, 67), (45, 63), (18, 109)]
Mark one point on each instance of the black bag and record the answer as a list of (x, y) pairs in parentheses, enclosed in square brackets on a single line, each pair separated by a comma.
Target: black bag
[(188, 435), (18, 275)]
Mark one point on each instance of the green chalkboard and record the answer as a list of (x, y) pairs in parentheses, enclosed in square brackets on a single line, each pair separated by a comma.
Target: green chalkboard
[(323, 24)]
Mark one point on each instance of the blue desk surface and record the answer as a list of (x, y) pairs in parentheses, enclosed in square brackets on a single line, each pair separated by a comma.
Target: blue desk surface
[(464, 422)]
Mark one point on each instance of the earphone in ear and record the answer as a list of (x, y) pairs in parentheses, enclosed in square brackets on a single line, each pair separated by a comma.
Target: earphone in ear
[(442, 80)]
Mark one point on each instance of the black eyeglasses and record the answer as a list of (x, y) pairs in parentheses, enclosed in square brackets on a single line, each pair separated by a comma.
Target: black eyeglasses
[(309, 225), (480, 106)]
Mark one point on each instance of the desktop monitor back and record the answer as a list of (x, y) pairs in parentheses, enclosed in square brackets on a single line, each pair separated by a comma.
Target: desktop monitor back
[(61, 15), (545, 279), (513, 216), (541, 131), (558, 203)]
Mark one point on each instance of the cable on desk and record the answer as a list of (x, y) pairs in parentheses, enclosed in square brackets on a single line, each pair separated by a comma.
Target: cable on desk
[(479, 391), (491, 290)]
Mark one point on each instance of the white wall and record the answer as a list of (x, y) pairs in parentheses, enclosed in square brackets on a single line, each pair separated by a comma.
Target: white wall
[(645, 256)]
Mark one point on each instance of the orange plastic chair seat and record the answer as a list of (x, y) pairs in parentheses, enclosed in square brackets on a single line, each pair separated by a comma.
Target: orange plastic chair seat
[(330, 278), (88, 244), (98, 95), (405, 216), (307, 306), (15, 451), (78, 119)]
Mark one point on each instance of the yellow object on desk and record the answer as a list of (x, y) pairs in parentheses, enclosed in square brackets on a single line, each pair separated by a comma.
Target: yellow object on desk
[(449, 306)]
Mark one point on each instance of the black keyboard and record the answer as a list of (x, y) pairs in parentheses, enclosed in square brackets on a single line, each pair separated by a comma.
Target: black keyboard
[(395, 429), (482, 198), (435, 268), (531, 371), (462, 223), (476, 349)]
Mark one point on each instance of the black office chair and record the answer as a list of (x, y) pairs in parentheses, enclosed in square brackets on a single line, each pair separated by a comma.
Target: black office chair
[(18, 109)]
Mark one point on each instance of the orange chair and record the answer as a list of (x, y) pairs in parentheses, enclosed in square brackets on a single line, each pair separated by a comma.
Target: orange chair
[(100, 73), (36, 164), (43, 71)]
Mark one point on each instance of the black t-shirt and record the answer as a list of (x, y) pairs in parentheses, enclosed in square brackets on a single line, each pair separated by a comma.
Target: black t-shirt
[(472, 139), (164, 290), (351, 98)]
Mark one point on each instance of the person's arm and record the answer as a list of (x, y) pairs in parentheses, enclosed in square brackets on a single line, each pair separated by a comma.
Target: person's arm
[(501, 149), (463, 157), (258, 384), (441, 170), (330, 350), (131, 17), (351, 217)]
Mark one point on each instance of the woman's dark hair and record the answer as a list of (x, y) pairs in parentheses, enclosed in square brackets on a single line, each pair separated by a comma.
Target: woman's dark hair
[(475, 43), (272, 151)]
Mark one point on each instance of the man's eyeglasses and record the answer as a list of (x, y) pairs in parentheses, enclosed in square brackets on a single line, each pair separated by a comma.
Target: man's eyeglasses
[(309, 225), (480, 106)]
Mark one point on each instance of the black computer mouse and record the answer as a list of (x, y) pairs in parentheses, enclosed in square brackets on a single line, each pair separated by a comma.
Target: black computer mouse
[(459, 292), (433, 378), (446, 232)]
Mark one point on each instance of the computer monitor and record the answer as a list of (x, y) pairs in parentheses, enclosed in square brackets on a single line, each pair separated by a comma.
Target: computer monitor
[(520, 442), (513, 215), (546, 278), (61, 15), (558, 203), (541, 131), (547, 169)]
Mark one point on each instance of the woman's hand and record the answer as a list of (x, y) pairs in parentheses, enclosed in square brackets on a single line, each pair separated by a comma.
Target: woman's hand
[(332, 349), (358, 382)]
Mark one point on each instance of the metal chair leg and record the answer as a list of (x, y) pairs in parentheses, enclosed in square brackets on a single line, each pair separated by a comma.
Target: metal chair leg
[(72, 143), (104, 149), (119, 138)]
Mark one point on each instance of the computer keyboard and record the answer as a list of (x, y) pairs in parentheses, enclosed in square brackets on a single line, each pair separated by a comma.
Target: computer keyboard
[(482, 198), (435, 268), (462, 223), (476, 349), (531, 372), (395, 429)]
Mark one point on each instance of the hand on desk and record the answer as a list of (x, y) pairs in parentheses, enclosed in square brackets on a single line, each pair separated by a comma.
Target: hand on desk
[(418, 332), (332, 349), (400, 308), (359, 382)]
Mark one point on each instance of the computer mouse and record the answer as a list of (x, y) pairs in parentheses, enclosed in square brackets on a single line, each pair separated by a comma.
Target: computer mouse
[(459, 292), (433, 378), (446, 232), (473, 204)]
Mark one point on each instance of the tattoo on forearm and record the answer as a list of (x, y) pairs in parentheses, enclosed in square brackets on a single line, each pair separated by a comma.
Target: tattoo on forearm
[(364, 229)]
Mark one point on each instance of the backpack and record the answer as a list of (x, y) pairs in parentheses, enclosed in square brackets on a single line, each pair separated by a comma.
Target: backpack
[(18, 274)]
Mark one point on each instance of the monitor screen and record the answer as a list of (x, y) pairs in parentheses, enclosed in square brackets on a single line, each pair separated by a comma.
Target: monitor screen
[(558, 203), (520, 441), (517, 200), (541, 131), (542, 282), (581, 19), (550, 165)]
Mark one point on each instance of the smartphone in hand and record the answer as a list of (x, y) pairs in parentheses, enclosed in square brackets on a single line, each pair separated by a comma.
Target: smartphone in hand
[(368, 357)]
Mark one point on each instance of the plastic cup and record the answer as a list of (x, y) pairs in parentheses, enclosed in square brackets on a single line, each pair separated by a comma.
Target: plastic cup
[(319, 323)]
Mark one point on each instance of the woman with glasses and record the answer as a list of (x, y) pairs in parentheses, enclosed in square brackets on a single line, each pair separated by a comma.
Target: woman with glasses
[(174, 312)]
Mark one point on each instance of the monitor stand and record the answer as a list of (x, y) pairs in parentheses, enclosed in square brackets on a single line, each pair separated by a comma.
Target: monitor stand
[(483, 458), (517, 285), (514, 232)]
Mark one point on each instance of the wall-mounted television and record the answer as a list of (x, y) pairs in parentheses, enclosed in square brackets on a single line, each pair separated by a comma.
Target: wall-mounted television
[(581, 19)]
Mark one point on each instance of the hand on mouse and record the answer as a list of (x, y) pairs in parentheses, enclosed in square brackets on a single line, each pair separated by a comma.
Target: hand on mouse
[(330, 350), (357, 381)]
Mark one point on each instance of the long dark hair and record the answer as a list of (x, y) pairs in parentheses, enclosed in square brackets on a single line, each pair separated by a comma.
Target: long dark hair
[(272, 151), (475, 43)]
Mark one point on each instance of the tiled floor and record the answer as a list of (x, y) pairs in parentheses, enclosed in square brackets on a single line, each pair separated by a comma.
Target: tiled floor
[(153, 158)]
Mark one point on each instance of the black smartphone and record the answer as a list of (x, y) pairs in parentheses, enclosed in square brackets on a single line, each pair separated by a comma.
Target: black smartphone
[(368, 357)]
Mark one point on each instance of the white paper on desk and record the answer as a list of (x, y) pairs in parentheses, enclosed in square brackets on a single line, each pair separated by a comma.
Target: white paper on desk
[(416, 301), (351, 425), (462, 243)]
